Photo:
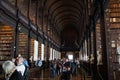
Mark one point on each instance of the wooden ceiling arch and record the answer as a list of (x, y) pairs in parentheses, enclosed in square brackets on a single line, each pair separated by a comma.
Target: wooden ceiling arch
[(57, 9), (69, 15), (62, 18), (66, 13), (67, 21), (66, 10)]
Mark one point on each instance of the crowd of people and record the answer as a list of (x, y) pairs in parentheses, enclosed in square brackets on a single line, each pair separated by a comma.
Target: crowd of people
[(18, 69), (64, 67)]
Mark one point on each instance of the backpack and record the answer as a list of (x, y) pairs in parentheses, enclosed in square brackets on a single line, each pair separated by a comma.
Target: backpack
[(38, 63)]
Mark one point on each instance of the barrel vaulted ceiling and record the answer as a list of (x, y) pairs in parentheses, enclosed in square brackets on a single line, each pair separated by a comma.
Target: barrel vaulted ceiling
[(67, 14)]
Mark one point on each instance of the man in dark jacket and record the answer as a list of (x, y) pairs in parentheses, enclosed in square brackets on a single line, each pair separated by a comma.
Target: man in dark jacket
[(66, 74)]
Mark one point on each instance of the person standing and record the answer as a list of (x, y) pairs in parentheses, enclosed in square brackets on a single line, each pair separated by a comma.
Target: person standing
[(11, 72), (66, 74), (20, 66)]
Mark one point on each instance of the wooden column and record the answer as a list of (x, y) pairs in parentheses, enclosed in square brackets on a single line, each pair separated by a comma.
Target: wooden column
[(42, 11), (90, 45), (16, 32), (88, 48), (28, 41), (95, 51), (104, 68)]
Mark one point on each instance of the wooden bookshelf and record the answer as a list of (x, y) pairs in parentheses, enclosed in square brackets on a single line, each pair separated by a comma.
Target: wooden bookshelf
[(39, 50), (6, 42), (113, 25), (114, 14), (32, 47), (22, 44), (98, 36), (45, 52)]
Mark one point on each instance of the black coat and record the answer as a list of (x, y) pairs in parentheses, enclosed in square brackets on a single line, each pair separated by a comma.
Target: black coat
[(66, 74), (16, 76)]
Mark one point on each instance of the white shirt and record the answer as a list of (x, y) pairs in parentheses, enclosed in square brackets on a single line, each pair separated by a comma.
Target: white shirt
[(21, 68)]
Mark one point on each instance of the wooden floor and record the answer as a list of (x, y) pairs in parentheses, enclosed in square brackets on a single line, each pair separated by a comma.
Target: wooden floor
[(37, 74)]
